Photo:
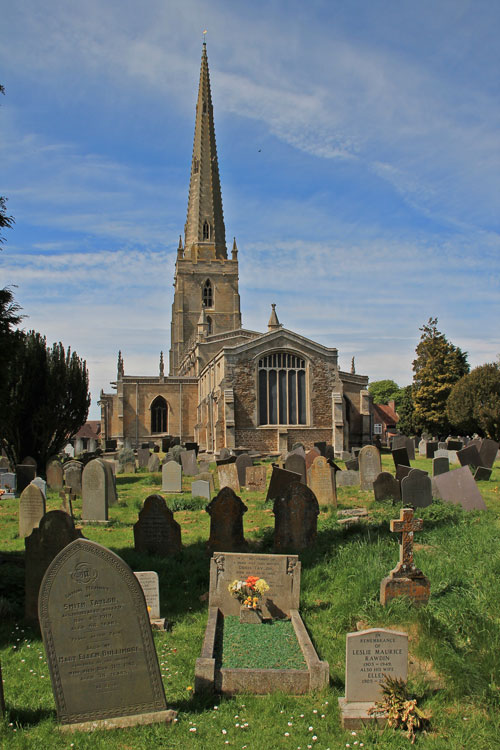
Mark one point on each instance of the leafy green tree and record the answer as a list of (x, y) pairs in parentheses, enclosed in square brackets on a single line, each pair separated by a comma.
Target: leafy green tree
[(384, 391), (46, 398), (5, 220), (438, 366), (474, 402), (406, 412)]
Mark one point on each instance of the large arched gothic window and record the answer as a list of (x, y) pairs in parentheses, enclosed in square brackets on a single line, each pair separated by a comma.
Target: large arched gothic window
[(282, 389), (207, 295), (159, 415)]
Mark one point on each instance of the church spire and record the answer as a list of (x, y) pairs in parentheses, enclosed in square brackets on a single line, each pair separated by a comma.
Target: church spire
[(205, 234)]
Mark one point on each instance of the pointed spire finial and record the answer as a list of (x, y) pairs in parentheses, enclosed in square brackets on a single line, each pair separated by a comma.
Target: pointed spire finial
[(162, 367), (234, 252), (353, 368), (180, 249), (273, 320), (120, 366)]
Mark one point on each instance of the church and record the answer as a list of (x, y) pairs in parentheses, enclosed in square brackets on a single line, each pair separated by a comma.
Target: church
[(228, 386)]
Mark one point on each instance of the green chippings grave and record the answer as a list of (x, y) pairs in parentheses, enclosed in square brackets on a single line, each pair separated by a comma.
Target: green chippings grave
[(272, 645)]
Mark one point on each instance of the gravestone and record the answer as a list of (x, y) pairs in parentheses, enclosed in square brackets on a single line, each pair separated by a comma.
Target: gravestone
[(207, 476), (256, 477), (441, 453), (150, 585), (299, 449), (440, 465), (370, 656), (200, 488), (110, 446), (156, 532), (188, 462), (73, 476), (224, 453), (203, 467), (94, 492), (454, 445), (54, 474), (67, 499), (398, 441), (110, 481), (488, 452), (410, 447), (430, 448), (322, 482), (8, 482), (4, 463), (386, 487), (171, 477), (469, 456), (192, 447), (143, 455), (228, 476), (25, 473), (297, 463), (311, 454), (482, 474), (458, 487), (321, 446), (129, 467), (352, 464), (422, 449), (55, 531), (153, 463), (41, 484), (330, 453), (400, 457), (31, 509), (295, 519), (226, 460), (402, 472), (97, 637), (280, 479), (347, 478), (405, 579), (416, 489), (29, 461), (369, 466), (242, 462), (226, 521)]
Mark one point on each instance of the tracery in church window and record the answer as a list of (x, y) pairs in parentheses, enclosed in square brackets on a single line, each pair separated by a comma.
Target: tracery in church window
[(282, 389), (159, 415), (207, 294)]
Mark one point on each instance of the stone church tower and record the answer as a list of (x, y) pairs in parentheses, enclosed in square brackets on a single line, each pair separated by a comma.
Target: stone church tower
[(206, 297)]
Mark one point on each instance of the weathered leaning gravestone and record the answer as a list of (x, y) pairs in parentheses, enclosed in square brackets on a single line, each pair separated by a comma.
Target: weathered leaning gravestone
[(295, 519), (98, 640), (405, 579), (370, 656)]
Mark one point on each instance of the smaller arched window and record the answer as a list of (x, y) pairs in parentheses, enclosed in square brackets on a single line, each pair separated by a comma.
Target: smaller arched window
[(204, 108), (159, 415), (196, 166), (209, 325), (206, 230), (207, 296)]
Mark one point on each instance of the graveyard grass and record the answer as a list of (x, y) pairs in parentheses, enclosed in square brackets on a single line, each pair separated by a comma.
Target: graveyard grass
[(454, 641)]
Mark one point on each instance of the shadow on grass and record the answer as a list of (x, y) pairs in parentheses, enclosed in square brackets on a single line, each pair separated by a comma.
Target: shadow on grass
[(27, 717)]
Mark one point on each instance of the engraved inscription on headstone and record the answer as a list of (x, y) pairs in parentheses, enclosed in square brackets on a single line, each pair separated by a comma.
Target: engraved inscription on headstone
[(150, 586), (370, 655), (256, 478), (369, 466), (322, 482)]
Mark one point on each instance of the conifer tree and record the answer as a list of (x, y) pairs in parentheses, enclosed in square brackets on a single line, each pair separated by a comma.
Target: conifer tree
[(406, 412), (474, 402), (437, 367)]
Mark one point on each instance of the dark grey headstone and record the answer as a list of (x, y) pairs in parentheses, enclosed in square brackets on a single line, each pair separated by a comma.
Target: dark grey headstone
[(321, 446), (440, 465), (98, 640), (400, 457), (192, 447), (482, 474), (352, 464), (296, 519), (386, 487), (410, 447), (488, 452), (55, 531), (226, 522), (398, 441), (454, 445), (458, 487), (330, 453), (110, 445), (297, 463), (189, 465), (402, 471), (430, 448), (280, 479), (242, 462), (469, 456), (156, 532), (73, 476), (95, 498), (29, 461), (25, 473), (416, 490)]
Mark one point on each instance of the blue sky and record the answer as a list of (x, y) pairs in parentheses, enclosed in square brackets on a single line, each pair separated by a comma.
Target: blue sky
[(359, 152)]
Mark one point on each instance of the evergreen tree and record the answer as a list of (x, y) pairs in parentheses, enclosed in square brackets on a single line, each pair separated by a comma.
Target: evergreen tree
[(406, 412), (474, 402), (384, 391), (45, 399), (438, 366)]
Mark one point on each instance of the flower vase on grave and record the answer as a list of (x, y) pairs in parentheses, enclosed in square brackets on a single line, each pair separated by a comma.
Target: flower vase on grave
[(249, 593), (249, 615)]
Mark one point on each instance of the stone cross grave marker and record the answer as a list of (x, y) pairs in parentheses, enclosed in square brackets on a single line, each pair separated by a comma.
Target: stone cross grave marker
[(200, 488), (296, 519), (370, 656), (55, 531), (54, 474), (156, 532), (386, 487), (150, 585), (369, 466), (405, 579), (31, 509), (228, 477), (458, 487), (171, 477), (94, 492), (226, 521), (256, 478), (242, 462), (189, 464), (297, 463), (416, 489), (97, 637), (322, 482)]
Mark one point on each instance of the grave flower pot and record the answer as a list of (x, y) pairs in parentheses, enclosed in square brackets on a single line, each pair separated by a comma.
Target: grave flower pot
[(250, 615)]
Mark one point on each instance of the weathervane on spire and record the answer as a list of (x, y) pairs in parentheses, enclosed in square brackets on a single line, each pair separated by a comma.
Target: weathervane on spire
[(204, 32)]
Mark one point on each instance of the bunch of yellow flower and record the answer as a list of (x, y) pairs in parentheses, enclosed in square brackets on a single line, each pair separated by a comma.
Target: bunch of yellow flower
[(249, 592)]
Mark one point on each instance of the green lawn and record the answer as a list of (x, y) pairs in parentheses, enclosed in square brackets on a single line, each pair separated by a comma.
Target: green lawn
[(454, 640)]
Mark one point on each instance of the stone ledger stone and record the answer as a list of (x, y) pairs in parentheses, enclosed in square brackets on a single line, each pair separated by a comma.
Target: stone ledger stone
[(226, 521), (55, 531), (322, 482), (156, 532), (369, 466), (97, 637), (228, 477), (296, 519), (31, 509)]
